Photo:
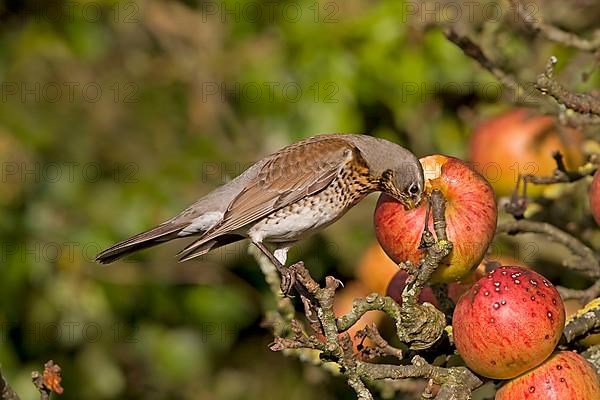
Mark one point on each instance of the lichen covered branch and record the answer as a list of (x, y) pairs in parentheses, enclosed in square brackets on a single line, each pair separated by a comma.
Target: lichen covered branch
[(417, 325), (456, 383), (586, 321)]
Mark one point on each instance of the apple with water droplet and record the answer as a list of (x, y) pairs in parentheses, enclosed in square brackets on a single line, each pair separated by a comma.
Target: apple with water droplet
[(471, 215), (563, 376), (508, 322)]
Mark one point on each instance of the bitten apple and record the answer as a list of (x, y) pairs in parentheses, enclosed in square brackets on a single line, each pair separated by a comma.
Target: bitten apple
[(509, 322), (595, 197), (470, 218), (520, 141), (564, 376)]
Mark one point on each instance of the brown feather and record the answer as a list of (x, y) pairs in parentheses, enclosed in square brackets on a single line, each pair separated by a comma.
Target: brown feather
[(149, 238), (295, 172)]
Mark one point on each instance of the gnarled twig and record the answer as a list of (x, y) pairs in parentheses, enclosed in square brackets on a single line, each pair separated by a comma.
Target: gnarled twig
[(586, 263), (555, 34)]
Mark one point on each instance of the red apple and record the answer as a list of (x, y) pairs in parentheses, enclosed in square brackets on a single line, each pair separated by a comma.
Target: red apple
[(457, 289), (397, 285), (595, 197), (564, 376), (508, 322), (470, 216), (376, 269), (520, 141)]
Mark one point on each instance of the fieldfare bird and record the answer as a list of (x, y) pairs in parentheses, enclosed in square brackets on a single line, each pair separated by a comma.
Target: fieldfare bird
[(288, 196)]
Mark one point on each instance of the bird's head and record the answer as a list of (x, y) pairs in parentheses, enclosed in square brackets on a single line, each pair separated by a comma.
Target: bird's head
[(398, 171), (404, 182)]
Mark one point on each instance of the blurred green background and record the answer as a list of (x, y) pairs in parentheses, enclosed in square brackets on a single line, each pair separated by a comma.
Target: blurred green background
[(115, 115)]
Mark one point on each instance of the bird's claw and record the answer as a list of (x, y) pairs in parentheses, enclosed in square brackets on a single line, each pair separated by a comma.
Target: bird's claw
[(288, 281)]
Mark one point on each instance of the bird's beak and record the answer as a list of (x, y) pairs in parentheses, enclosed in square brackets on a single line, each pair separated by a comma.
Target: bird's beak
[(412, 202)]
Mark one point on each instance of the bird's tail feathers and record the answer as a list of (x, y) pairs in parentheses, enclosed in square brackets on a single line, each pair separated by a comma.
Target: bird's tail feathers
[(149, 238), (203, 246)]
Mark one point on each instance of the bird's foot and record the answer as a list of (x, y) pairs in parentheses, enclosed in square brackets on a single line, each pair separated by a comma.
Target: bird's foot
[(310, 310), (288, 280)]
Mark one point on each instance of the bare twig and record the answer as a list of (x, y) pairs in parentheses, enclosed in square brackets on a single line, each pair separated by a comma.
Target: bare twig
[(518, 201), (575, 109), (561, 174), (471, 49), (582, 295), (555, 34), (583, 103), (586, 263), (382, 347)]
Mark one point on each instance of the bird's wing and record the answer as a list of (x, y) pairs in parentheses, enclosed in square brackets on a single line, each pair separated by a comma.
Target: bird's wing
[(295, 172)]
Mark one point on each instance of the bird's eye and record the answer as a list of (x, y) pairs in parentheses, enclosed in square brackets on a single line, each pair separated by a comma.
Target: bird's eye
[(413, 189)]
